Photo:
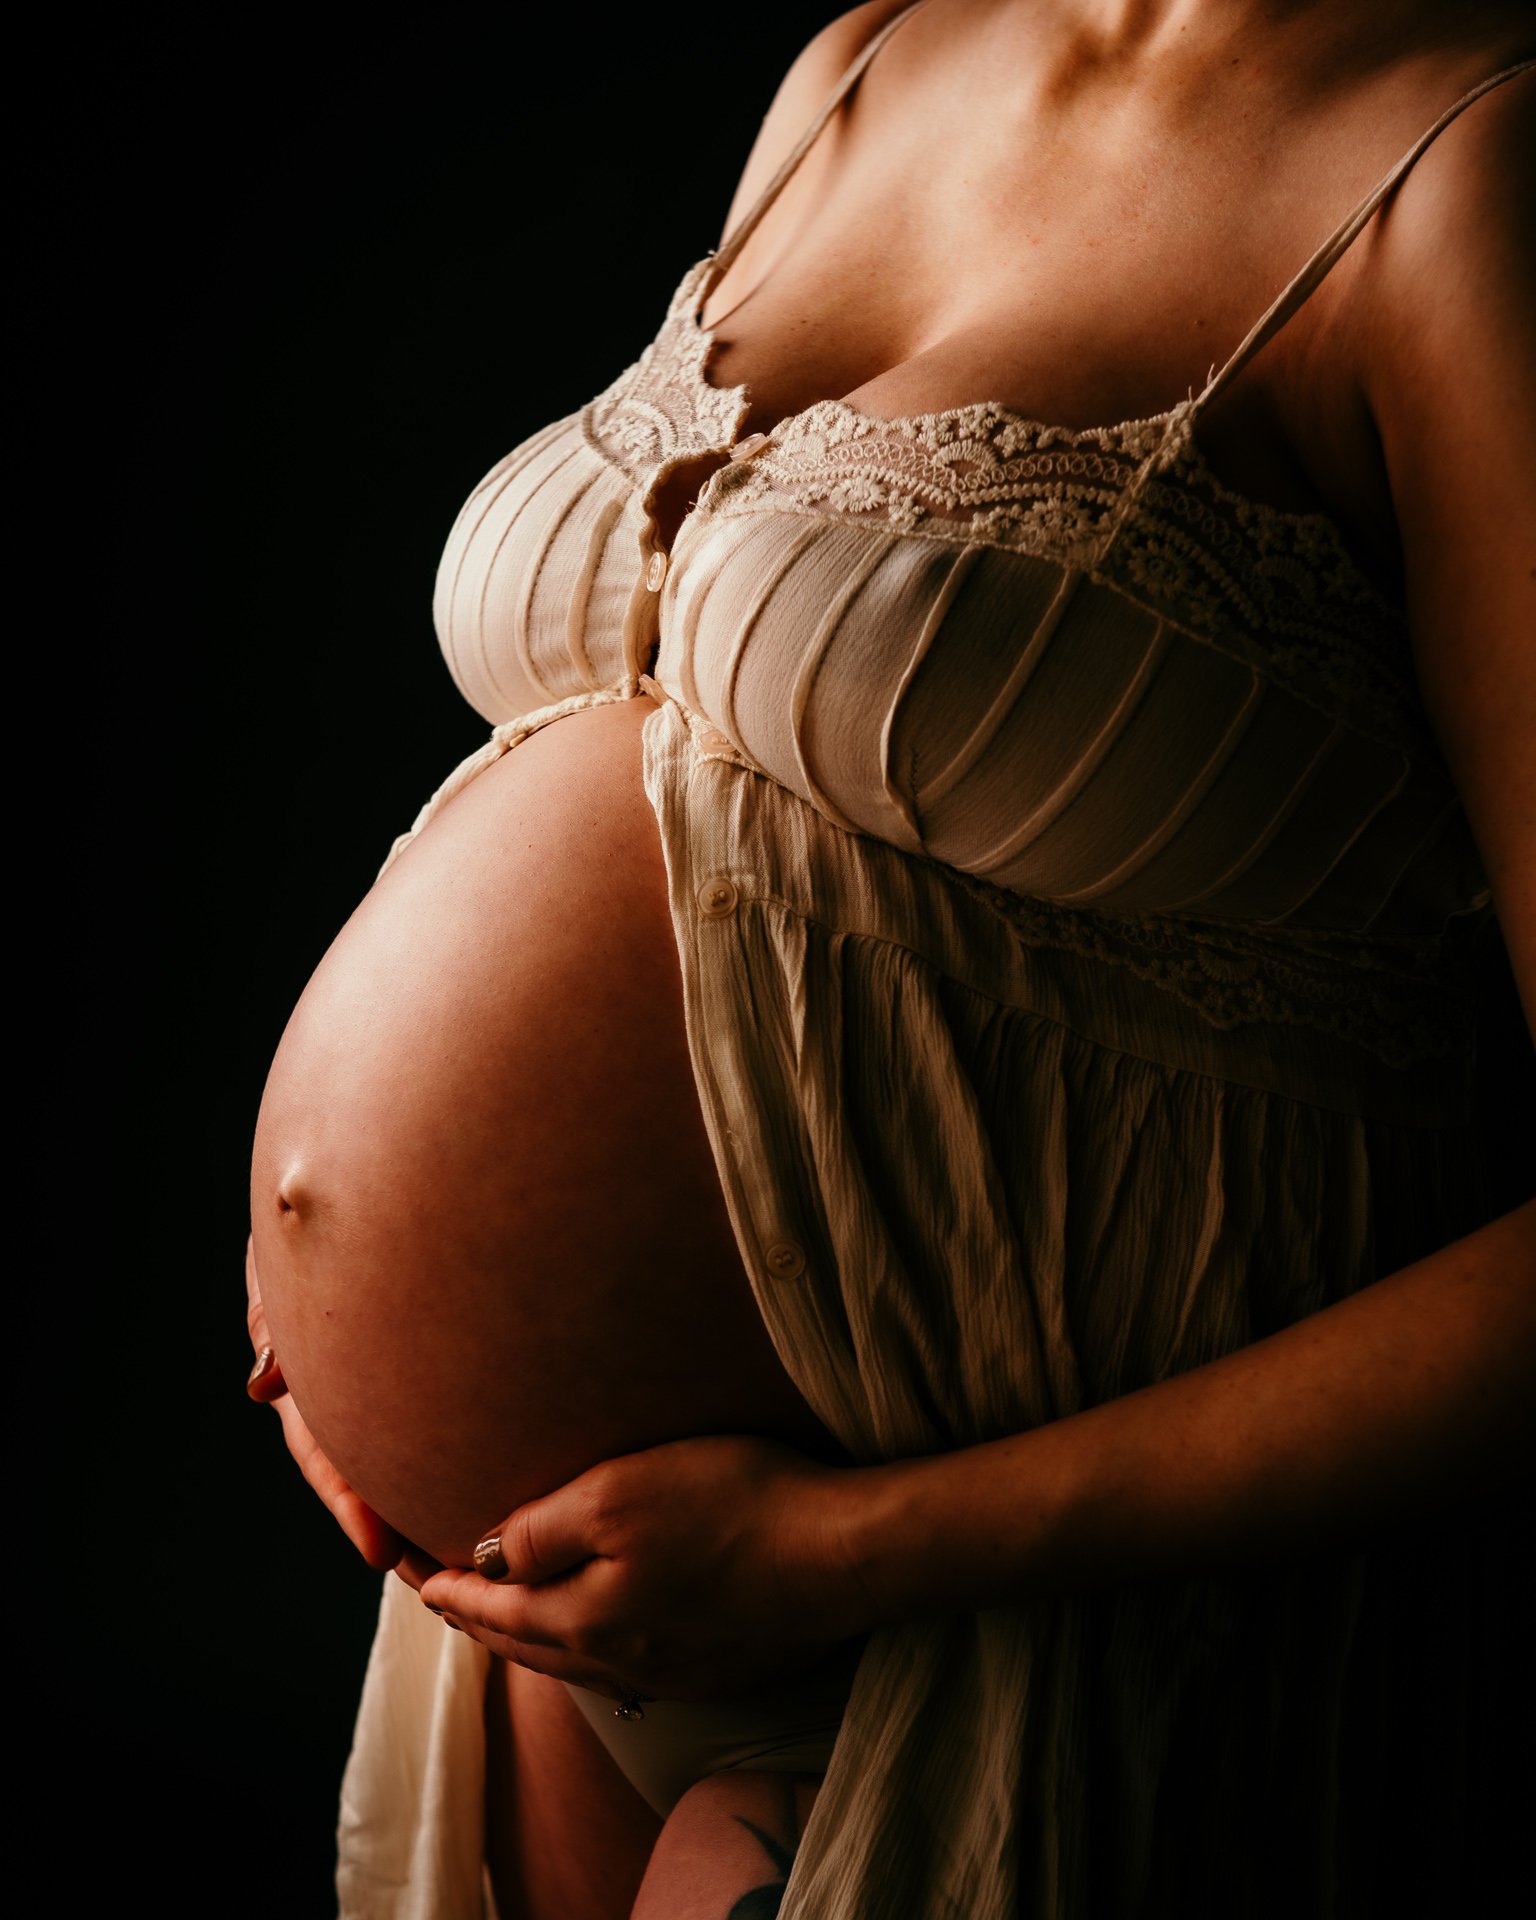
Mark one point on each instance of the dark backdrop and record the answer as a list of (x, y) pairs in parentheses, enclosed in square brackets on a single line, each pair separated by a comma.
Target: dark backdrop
[(300, 287)]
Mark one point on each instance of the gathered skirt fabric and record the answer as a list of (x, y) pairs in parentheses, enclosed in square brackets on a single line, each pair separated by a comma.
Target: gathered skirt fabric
[(982, 1181)]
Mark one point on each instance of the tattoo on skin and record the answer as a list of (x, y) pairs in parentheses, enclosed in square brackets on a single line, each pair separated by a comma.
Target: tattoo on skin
[(762, 1903)]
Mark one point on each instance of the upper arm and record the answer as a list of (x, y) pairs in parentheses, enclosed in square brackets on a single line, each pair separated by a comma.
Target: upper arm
[(1453, 390)]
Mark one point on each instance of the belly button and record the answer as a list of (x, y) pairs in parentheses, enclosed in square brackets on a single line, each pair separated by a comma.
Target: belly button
[(292, 1196)]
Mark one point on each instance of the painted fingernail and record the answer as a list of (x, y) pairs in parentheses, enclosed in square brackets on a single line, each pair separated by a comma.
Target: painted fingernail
[(488, 1558), (264, 1364)]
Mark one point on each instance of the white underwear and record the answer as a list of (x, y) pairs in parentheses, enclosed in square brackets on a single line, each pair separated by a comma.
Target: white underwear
[(786, 1729)]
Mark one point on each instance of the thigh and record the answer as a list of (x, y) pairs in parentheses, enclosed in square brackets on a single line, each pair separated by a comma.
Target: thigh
[(566, 1836), (727, 1848)]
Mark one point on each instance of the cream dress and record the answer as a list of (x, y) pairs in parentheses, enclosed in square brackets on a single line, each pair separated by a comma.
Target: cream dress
[(1068, 892)]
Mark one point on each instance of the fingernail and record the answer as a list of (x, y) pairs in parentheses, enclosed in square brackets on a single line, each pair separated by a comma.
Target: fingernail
[(263, 1366), (488, 1558)]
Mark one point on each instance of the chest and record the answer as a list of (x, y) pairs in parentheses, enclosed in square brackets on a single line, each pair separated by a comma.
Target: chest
[(1074, 664), (1082, 262)]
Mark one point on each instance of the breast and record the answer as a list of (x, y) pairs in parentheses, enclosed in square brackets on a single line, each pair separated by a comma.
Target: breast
[(541, 590), (1197, 709), (489, 1230)]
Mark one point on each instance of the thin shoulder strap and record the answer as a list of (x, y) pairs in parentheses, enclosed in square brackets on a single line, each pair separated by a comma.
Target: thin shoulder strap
[(737, 238), (1295, 294)]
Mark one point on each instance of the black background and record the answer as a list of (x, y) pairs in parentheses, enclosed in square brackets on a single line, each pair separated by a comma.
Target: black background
[(294, 291)]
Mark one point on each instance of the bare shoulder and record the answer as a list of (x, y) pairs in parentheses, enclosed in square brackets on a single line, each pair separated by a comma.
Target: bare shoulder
[(816, 70), (1455, 267), (1452, 386), (1450, 341)]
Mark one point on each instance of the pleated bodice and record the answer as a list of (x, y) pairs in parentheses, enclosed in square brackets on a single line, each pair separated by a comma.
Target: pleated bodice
[(1071, 664)]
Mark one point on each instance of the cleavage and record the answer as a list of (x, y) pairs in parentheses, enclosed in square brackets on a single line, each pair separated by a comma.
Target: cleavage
[(671, 499)]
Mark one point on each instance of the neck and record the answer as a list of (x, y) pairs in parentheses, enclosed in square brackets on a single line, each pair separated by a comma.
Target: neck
[(1128, 29), (1118, 38)]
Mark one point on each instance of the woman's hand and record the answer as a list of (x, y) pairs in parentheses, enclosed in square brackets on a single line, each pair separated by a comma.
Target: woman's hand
[(713, 1565), (376, 1541), (696, 1568)]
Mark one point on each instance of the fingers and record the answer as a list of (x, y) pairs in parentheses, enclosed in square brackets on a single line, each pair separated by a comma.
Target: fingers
[(505, 1620), (685, 1570), (543, 1539), (512, 1612), (252, 1286), (416, 1568), (519, 1600), (551, 1624), (375, 1539), (265, 1382)]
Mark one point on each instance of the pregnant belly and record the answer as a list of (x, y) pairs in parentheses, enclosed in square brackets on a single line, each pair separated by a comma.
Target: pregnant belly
[(488, 1227)]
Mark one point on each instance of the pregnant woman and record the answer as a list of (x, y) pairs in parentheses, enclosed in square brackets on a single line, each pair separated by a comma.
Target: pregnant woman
[(945, 972)]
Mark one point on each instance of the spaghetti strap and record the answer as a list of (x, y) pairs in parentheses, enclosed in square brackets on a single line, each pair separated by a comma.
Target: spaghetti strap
[(1299, 290), (737, 238)]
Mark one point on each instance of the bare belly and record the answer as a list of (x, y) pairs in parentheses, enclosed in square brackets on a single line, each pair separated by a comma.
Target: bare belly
[(488, 1226)]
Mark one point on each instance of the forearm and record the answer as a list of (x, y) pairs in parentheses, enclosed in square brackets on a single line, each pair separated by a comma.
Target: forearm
[(1410, 1394)]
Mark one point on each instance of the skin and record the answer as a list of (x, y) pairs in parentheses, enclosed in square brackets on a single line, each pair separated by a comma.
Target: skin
[(480, 1160), (921, 259)]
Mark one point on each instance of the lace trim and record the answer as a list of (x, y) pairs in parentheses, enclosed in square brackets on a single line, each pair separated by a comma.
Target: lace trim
[(982, 473), (1222, 566), (1397, 998), (662, 406), (1133, 505)]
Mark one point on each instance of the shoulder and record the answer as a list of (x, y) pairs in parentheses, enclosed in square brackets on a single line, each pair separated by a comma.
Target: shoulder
[(1452, 387), (1454, 264), (804, 89), (825, 58), (1448, 345), (828, 53)]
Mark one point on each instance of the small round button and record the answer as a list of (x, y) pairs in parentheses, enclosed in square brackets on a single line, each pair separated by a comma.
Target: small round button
[(784, 1260), (717, 898), (714, 741), (656, 572), (749, 448)]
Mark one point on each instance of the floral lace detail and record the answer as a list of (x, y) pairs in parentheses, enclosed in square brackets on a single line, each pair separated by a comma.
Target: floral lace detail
[(1278, 589), (1134, 506), (975, 473), (662, 408), (1396, 997)]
